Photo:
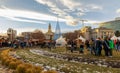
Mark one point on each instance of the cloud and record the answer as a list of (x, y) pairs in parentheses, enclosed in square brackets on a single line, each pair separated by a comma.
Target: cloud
[(78, 5), (92, 22), (62, 8), (71, 21), (49, 3), (37, 17), (94, 7), (118, 11), (71, 4), (56, 9), (80, 13), (26, 20)]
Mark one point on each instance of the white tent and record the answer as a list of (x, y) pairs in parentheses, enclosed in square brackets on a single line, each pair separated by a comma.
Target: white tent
[(81, 38), (61, 41), (114, 38), (118, 38)]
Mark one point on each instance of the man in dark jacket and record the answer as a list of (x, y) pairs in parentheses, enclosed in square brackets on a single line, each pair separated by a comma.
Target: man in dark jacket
[(92, 46), (106, 46), (98, 47)]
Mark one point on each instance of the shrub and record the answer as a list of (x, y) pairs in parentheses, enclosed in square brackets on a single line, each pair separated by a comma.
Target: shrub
[(20, 68), (38, 69), (29, 70), (12, 65), (4, 53), (13, 59), (11, 49), (3, 60), (7, 62), (28, 65), (19, 62), (10, 58)]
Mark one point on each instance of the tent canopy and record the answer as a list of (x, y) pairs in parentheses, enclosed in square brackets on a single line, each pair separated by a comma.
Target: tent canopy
[(118, 38), (114, 38), (61, 41), (81, 38)]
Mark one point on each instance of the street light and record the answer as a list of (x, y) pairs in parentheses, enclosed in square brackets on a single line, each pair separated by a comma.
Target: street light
[(83, 22)]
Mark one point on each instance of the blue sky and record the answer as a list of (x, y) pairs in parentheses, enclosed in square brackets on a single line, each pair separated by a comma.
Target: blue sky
[(28, 15)]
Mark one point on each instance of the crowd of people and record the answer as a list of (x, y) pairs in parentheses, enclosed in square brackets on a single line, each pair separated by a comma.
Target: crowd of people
[(96, 46), (16, 44), (27, 44)]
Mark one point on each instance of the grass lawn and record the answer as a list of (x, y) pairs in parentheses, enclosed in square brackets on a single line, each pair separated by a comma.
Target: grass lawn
[(65, 66)]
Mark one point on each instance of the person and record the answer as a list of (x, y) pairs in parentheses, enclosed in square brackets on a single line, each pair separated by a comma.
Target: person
[(49, 45), (117, 45), (81, 48), (54, 44), (92, 47), (68, 46), (75, 45), (16, 44), (72, 46), (115, 41), (111, 45), (98, 45), (22, 44), (106, 46), (87, 45)]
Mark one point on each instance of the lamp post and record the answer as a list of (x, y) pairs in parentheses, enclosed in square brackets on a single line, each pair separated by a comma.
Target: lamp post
[(83, 22), (12, 36)]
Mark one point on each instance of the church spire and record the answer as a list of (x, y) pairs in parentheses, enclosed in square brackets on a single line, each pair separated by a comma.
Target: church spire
[(49, 34), (49, 28)]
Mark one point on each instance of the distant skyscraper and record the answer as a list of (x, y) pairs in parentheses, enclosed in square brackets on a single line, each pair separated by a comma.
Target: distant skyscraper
[(57, 31)]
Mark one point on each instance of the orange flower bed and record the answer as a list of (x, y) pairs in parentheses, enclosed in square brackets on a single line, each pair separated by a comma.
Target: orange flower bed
[(19, 66)]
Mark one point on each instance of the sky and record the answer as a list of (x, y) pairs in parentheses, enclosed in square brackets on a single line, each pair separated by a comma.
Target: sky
[(28, 15)]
